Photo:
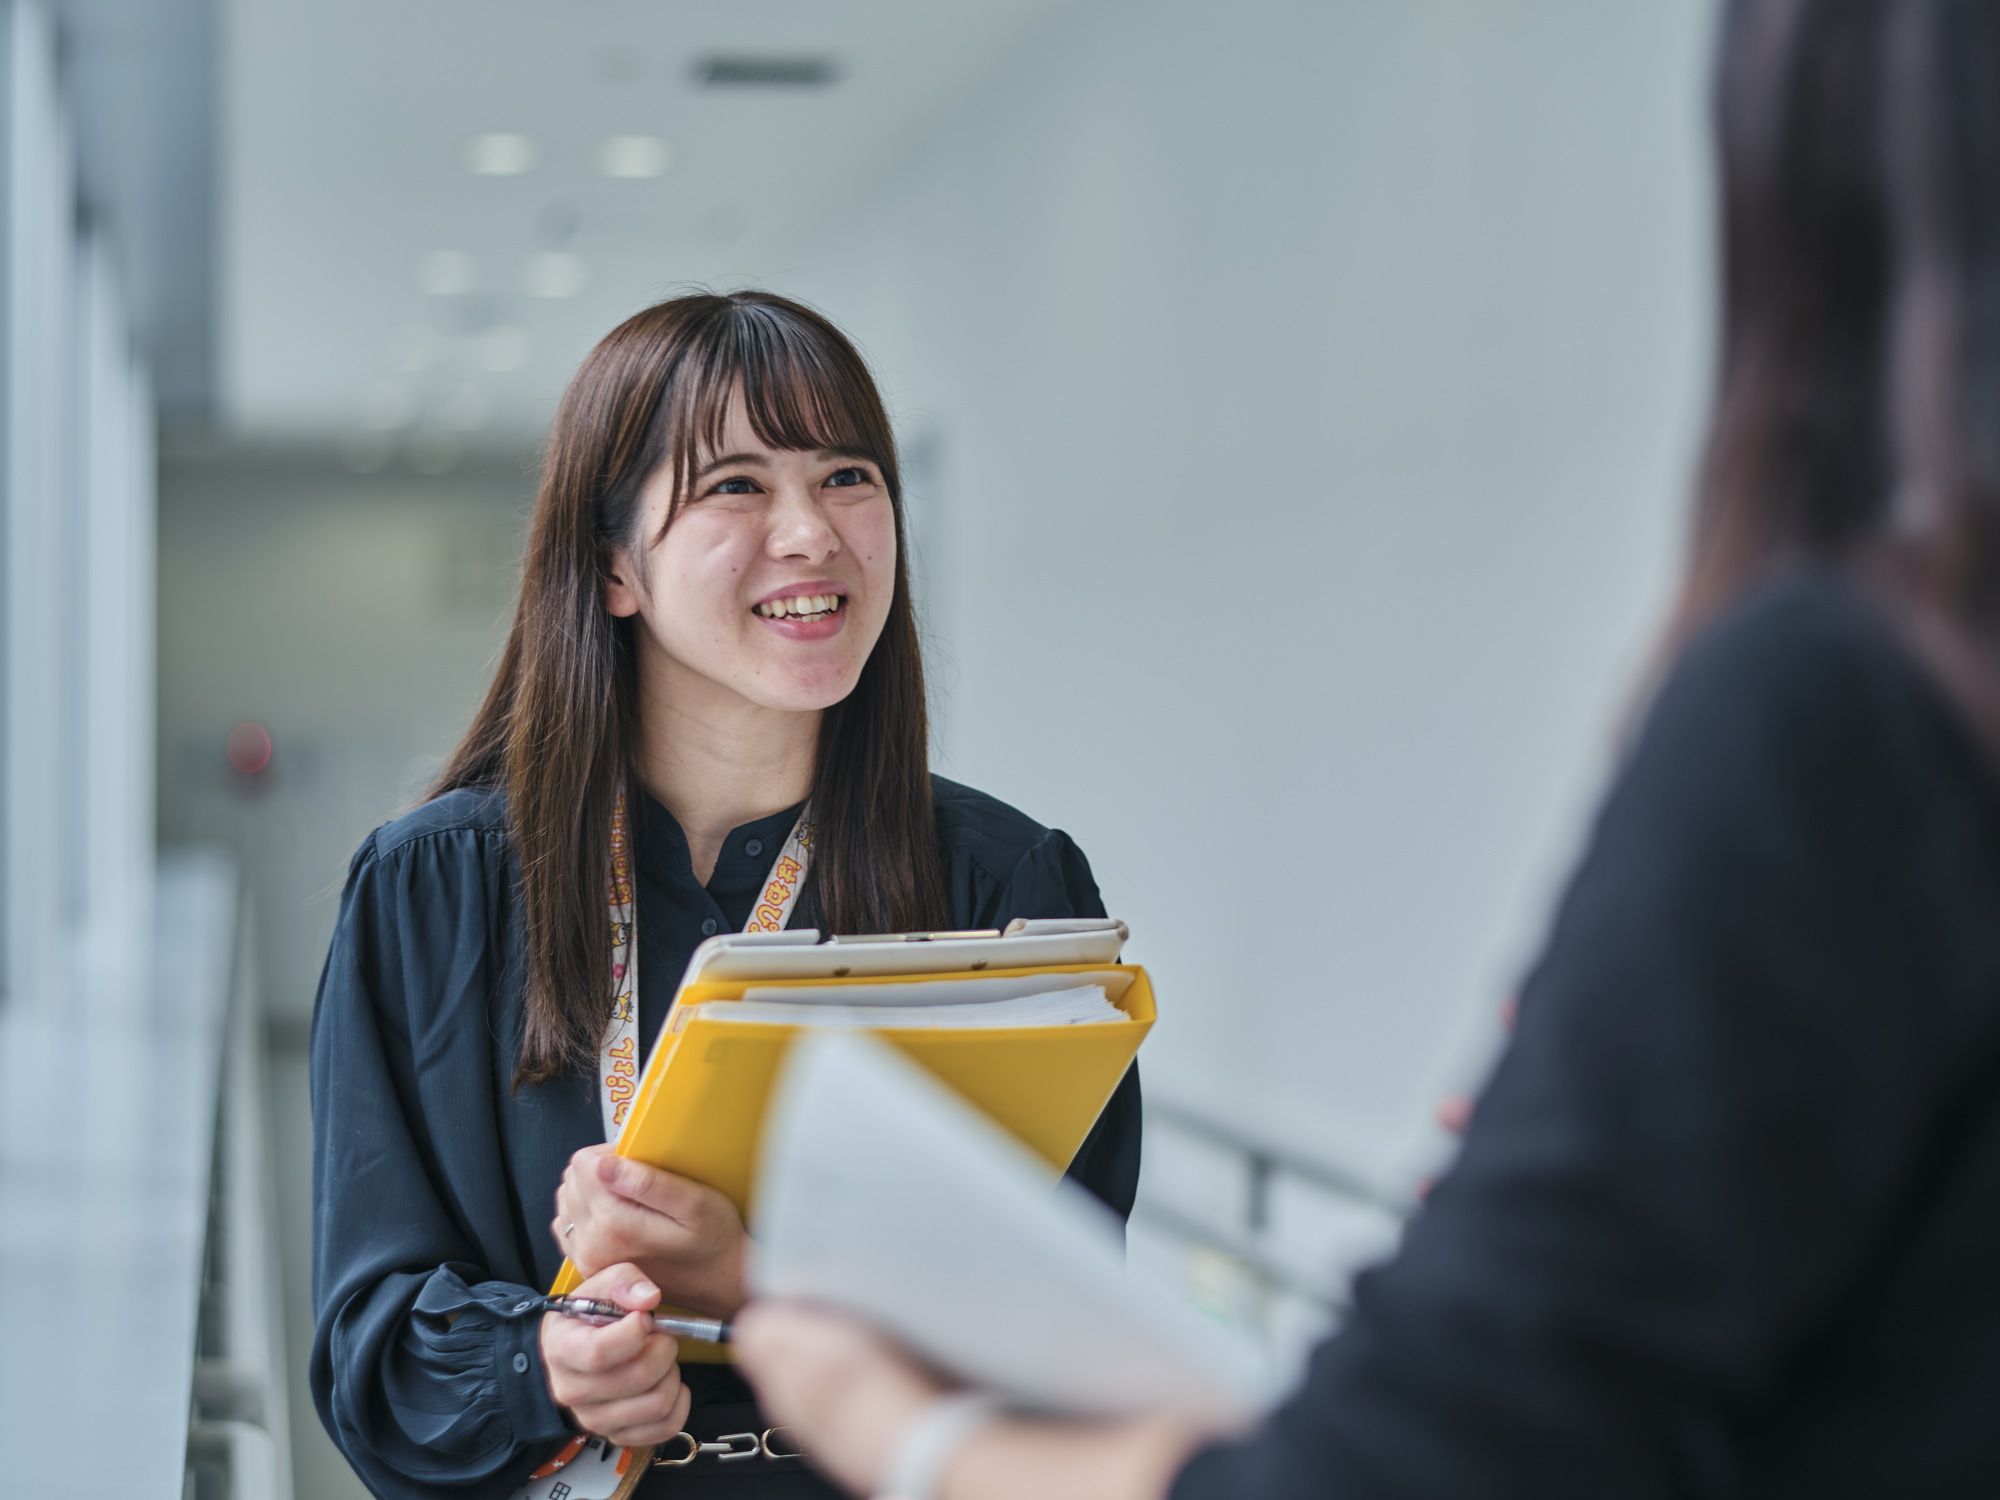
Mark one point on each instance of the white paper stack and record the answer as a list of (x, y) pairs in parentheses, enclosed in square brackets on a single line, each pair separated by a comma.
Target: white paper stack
[(883, 1194), (1076, 1006)]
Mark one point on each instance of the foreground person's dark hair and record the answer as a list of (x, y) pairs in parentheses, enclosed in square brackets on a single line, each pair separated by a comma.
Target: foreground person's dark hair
[(557, 730), (1858, 410)]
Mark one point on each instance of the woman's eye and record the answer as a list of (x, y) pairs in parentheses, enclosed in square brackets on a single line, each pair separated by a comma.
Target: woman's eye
[(735, 487), (841, 478)]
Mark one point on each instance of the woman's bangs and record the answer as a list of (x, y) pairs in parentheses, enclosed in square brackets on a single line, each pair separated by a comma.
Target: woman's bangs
[(797, 396)]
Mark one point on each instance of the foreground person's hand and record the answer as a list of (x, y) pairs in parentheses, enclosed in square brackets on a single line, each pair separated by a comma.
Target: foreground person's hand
[(848, 1391), (851, 1397), (622, 1380), (687, 1237)]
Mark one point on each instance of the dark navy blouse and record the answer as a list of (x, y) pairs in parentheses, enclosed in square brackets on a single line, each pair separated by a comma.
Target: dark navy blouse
[(434, 1181)]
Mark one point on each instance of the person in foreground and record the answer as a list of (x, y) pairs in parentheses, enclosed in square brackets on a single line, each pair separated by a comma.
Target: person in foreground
[(1726, 1220), (711, 682)]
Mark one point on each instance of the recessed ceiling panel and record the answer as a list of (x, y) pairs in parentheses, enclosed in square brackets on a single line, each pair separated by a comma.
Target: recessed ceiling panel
[(432, 208)]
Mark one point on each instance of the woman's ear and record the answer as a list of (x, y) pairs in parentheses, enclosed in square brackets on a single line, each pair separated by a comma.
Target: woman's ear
[(621, 597)]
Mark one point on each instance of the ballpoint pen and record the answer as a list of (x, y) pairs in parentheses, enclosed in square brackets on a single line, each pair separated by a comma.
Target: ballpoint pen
[(590, 1310)]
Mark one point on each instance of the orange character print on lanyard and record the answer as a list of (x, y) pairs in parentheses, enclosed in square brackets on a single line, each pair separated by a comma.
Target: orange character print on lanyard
[(618, 1059), (593, 1469)]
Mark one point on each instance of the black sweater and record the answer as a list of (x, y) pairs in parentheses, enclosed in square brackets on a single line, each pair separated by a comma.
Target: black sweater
[(1727, 1219), (433, 1181)]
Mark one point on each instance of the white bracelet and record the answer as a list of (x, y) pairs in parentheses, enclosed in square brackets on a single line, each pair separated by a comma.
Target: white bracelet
[(931, 1442)]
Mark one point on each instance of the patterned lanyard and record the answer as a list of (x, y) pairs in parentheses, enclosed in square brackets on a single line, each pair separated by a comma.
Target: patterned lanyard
[(618, 1071)]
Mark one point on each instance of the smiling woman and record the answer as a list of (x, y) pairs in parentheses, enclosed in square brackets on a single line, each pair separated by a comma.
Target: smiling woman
[(713, 665)]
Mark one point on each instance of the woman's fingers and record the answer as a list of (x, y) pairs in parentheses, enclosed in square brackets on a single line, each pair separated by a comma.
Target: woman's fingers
[(652, 1416), (576, 1229), (679, 1198), (586, 1347), (610, 1209), (620, 1379), (597, 1224), (623, 1283), (599, 1228), (591, 1376)]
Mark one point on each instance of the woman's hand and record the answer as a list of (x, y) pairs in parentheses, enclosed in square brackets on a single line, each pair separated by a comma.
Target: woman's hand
[(621, 1381), (687, 1237), (847, 1390), (850, 1396)]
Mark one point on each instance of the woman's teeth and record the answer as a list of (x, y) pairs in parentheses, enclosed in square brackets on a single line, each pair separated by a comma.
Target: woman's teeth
[(801, 606)]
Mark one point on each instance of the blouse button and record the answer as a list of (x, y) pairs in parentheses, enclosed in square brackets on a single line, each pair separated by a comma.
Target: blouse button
[(520, 1364), (708, 927), (754, 848)]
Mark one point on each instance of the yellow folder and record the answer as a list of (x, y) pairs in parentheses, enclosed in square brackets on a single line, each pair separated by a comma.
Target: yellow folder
[(701, 1103)]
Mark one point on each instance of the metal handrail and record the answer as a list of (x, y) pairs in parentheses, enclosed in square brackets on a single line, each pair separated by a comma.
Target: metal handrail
[(239, 1425), (1267, 1161), (1267, 1266), (1263, 1163)]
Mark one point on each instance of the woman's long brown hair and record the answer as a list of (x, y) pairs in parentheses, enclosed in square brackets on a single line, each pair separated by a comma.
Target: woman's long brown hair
[(559, 725), (1857, 416)]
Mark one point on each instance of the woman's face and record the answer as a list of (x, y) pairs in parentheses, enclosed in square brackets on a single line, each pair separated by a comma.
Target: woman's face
[(772, 584)]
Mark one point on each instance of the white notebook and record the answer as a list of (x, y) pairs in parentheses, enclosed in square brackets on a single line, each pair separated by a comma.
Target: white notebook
[(882, 1193)]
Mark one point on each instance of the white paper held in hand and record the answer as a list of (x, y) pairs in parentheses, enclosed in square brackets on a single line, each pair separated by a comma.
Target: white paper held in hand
[(882, 1193)]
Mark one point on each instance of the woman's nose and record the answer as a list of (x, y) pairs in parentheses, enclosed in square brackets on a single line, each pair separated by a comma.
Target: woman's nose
[(799, 526)]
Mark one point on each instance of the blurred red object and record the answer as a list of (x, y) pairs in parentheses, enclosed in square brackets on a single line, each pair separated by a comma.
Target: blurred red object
[(249, 748)]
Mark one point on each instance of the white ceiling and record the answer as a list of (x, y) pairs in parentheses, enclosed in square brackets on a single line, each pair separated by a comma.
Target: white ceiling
[(344, 131)]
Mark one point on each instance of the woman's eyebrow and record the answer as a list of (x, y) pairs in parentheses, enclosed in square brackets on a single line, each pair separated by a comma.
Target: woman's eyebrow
[(727, 459), (762, 461)]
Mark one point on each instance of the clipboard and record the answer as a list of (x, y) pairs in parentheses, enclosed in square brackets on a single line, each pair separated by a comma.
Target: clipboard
[(702, 1098)]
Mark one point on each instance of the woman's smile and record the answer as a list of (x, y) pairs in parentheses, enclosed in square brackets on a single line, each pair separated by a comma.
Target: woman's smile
[(804, 612)]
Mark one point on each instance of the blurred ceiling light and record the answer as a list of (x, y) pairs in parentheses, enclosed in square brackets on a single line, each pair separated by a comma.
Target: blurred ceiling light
[(414, 347), (501, 153), (501, 350), (447, 273), (732, 70), (387, 405), (464, 410), (555, 273), (633, 156)]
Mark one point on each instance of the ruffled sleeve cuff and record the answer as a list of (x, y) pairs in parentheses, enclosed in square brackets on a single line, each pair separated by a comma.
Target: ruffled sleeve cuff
[(524, 1381), (479, 1346)]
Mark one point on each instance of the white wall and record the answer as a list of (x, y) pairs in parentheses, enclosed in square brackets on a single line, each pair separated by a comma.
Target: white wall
[(39, 196), (112, 608), (76, 565), (1311, 387), (356, 618)]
